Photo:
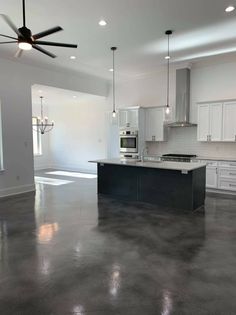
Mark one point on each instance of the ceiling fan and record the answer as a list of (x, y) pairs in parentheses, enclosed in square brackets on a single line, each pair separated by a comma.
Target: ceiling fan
[(27, 41)]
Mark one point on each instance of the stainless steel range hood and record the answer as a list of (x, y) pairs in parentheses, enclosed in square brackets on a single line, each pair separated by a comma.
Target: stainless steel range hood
[(182, 99)]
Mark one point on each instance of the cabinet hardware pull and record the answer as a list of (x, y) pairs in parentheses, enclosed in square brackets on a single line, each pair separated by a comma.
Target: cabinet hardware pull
[(232, 185), (234, 174)]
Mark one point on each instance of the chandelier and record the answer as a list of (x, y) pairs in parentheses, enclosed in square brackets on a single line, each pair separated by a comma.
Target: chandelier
[(43, 125)]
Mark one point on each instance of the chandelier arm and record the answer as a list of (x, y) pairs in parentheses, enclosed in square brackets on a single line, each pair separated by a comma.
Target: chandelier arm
[(49, 129)]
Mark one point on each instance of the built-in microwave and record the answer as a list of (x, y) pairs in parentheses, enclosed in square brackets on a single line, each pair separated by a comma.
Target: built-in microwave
[(128, 141)]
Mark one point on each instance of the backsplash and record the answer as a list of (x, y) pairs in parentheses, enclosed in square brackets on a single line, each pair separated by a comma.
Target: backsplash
[(184, 140)]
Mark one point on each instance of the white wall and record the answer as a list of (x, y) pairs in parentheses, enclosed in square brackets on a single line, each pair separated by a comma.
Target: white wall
[(212, 82), (15, 93), (80, 134)]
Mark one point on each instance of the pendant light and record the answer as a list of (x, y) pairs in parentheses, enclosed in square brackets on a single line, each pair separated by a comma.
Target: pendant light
[(167, 57), (43, 125), (113, 79)]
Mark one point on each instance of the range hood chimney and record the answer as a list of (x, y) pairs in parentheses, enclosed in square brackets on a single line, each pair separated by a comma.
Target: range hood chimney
[(182, 99)]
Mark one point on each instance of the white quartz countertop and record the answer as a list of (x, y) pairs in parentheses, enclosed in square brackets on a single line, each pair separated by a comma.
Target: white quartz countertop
[(211, 158), (175, 166)]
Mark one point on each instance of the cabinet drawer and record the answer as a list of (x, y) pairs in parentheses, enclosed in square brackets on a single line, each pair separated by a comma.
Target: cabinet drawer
[(227, 164), (228, 173), (227, 184)]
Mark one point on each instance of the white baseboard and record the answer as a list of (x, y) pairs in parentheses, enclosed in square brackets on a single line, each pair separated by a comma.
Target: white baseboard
[(73, 168), (16, 190), (42, 167), (221, 191)]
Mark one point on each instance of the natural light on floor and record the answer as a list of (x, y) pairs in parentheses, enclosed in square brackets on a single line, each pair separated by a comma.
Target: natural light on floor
[(51, 181), (72, 174)]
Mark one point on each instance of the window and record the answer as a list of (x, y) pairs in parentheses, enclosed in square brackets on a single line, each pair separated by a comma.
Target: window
[(36, 138)]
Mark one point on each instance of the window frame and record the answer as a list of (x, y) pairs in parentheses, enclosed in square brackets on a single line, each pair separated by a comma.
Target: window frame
[(38, 151)]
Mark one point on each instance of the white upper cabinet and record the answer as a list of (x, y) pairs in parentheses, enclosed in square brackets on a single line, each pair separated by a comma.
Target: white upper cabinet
[(203, 122), (215, 123), (154, 124), (229, 121), (210, 122), (128, 118)]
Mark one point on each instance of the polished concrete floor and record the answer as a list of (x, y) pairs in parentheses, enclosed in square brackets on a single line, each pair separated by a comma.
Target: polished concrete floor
[(65, 251)]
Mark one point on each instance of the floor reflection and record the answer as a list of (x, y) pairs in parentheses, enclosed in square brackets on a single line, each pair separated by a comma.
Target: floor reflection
[(47, 231)]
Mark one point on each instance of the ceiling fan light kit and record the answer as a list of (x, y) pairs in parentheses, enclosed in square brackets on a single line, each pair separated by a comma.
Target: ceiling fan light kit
[(27, 41)]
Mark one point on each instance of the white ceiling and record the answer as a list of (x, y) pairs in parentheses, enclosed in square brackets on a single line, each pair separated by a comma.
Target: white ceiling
[(201, 29), (54, 96)]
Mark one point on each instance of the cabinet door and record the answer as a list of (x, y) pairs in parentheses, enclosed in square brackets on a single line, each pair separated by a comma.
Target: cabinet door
[(154, 124), (133, 118), (203, 122), (211, 177), (229, 121), (215, 122), (123, 118)]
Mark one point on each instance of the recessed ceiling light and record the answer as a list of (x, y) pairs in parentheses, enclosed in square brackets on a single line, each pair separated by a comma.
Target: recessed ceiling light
[(72, 57), (230, 8), (74, 96), (102, 23), (111, 70), (40, 91)]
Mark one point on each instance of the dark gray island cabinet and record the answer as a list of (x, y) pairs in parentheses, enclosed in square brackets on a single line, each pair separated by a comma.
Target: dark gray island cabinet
[(169, 184)]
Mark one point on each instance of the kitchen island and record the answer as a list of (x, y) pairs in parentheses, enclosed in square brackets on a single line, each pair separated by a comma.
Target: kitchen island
[(169, 184)]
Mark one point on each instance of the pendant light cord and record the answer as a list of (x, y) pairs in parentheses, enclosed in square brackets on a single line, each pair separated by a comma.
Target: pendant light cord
[(41, 107), (113, 77), (114, 105), (168, 33), (23, 5), (168, 71)]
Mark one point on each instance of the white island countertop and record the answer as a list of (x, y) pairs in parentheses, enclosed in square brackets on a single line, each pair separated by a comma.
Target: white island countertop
[(175, 166)]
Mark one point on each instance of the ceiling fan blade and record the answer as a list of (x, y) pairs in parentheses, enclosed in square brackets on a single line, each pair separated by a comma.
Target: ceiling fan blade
[(11, 24), (8, 36), (40, 42), (43, 51), (15, 41), (47, 32), (18, 53)]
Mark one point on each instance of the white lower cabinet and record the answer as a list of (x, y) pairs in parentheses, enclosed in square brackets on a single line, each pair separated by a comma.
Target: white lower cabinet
[(220, 175), (227, 184), (227, 176), (211, 177)]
